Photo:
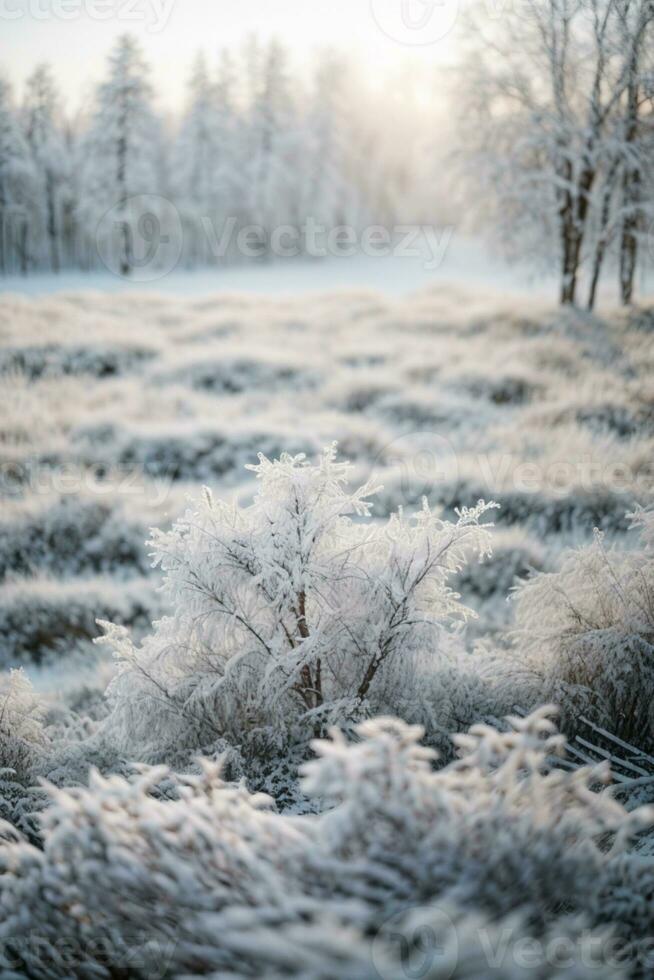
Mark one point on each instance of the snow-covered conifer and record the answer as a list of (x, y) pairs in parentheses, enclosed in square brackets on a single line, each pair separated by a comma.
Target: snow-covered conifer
[(18, 188), (198, 160), (121, 154), (44, 134)]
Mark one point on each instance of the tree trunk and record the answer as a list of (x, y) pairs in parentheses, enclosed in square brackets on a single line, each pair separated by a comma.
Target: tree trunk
[(630, 190), (574, 229), (568, 275), (125, 263), (52, 222), (121, 185), (22, 248), (603, 237), (628, 260), (4, 234), (310, 687), (597, 268), (569, 270), (630, 225)]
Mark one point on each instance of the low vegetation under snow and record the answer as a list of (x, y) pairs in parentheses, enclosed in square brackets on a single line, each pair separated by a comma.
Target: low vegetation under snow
[(368, 600)]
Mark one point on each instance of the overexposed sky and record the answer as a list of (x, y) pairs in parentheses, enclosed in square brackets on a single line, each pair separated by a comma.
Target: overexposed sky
[(76, 35)]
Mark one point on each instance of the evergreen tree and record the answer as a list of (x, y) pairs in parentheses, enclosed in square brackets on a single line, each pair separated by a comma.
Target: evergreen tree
[(17, 187), (195, 160), (276, 153), (122, 150), (328, 198), (44, 135)]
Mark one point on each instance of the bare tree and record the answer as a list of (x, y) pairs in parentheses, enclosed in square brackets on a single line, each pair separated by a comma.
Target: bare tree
[(632, 177), (551, 98)]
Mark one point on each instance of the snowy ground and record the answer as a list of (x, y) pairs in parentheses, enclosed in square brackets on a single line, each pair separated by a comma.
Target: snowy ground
[(117, 405), (464, 260), (466, 263)]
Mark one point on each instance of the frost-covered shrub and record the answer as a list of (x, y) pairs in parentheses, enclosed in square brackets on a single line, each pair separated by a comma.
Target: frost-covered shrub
[(166, 871), (625, 421), (501, 389), (23, 742), (575, 510), (54, 359), (455, 870), (21, 723), (497, 823), (499, 829), (231, 373), (69, 537), (589, 628), (176, 451), (641, 319), (539, 511), (294, 610), (42, 615), (515, 555), (357, 388), (75, 748), (431, 409)]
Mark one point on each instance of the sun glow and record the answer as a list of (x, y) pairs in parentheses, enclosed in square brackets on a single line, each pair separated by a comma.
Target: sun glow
[(76, 35)]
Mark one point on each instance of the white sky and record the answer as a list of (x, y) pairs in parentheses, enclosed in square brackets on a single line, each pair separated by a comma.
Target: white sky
[(76, 35)]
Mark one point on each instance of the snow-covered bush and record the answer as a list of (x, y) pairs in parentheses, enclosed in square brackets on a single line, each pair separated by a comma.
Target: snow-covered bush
[(293, 610), (515, 555), (589, 631), (40, 617), (55, 359), (70, 536), (21, 723), (229, 373), (540, 511), (23, 743), (499, 822), (501, 389), (490, 867), (179, 450)]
